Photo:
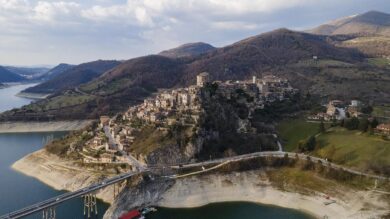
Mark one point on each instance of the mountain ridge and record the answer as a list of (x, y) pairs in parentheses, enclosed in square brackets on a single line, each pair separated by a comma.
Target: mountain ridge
[(55, 71), (282, 52), (371, 22), (188, 50), (73, 77), (8, 76)]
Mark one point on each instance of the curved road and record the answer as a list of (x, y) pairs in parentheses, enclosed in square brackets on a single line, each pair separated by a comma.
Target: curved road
[(70, 195), (275, 154)]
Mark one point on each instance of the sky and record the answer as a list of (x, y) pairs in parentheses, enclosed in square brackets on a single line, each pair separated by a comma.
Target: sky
[(48, 32)]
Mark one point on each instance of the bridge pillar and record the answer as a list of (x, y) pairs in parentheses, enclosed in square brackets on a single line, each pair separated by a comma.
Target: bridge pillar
[(90, 204), (116, 190), (49, 213)]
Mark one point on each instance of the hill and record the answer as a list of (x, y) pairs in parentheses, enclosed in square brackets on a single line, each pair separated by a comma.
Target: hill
[(57, 70), (187, 50), (73, 77), (255, 55), (28, 72), (338, 73), (8, 76), (368, 32), (372, 22)]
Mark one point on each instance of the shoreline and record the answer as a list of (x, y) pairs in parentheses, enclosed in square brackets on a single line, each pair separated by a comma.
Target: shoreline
[(250, 187), (56, 126), (35, 96), (195, 191), (60, 174)]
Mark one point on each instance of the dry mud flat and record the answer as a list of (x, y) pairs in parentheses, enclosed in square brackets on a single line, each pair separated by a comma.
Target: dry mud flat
[(20, 127)]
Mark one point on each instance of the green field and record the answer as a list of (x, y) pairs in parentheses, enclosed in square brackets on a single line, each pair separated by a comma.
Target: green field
[(380, 62), (354, 149), (66, 100), (292, 131), (350, 148), (381, 111)]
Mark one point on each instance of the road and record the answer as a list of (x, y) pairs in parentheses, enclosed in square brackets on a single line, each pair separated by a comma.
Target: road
[(275, 154), (67, 196), (280, 148), (220, 162), (131, 160)]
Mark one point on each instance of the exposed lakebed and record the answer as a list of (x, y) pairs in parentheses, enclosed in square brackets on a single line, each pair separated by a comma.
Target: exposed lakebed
[(18, 190)]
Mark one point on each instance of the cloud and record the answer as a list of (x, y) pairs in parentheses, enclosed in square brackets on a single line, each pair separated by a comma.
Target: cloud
[(39, 31), (13, 5), (48, 11), (233, 25)]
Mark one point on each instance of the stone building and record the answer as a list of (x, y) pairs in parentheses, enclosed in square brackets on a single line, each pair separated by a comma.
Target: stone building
[(202, 79), (383, 129)]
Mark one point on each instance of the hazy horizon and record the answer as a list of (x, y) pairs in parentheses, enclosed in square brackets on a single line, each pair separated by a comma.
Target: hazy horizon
[(37, 33)]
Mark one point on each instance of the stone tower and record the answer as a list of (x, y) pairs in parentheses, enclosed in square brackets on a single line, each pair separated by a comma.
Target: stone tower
[(202, 79)]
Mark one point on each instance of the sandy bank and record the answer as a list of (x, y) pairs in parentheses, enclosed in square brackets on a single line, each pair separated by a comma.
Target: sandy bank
[(253, 186), (60, 174), (194, 191), (16, 127), (32, 95)]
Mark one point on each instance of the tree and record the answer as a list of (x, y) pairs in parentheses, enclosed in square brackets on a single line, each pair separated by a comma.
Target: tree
[(363, 125), (311, 143), (370, 130), (342, 123), (352, 124), (308, 144), (322, 127), (367, 109), (334, 123), (374, 123), (301, 145)]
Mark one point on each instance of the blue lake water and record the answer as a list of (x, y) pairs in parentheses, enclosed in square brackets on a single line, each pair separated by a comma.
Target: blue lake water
[(18, 190), (229, 210), (8, 100)]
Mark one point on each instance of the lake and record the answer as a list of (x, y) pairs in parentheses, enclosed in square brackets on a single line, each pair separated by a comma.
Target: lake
[(229, 210), (18, 191), (8, 100)]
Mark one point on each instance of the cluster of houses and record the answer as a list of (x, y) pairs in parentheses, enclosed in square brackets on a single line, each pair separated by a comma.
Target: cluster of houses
[(110, 138), (163, 107), (383, 129), (338, 110), (182, 105), (267, 89)]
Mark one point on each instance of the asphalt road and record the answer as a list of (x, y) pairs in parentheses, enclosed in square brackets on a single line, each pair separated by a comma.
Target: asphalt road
[(64, 197)]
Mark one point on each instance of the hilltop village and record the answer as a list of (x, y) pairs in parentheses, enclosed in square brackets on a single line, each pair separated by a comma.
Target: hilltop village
[(114, 138)]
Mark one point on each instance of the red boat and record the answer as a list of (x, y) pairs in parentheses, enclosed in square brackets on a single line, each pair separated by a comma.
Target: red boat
[(134, 214)]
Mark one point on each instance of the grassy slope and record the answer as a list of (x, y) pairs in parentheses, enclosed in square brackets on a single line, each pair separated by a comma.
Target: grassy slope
[(150, 139), (354, 149), (379, 62), (349, 148), (381, 112), (298, 180), (66, 100), (292, 131), (376, 46)]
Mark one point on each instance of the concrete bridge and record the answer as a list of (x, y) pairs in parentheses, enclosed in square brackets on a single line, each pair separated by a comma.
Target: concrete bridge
[(52, 202), (90, 201)]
